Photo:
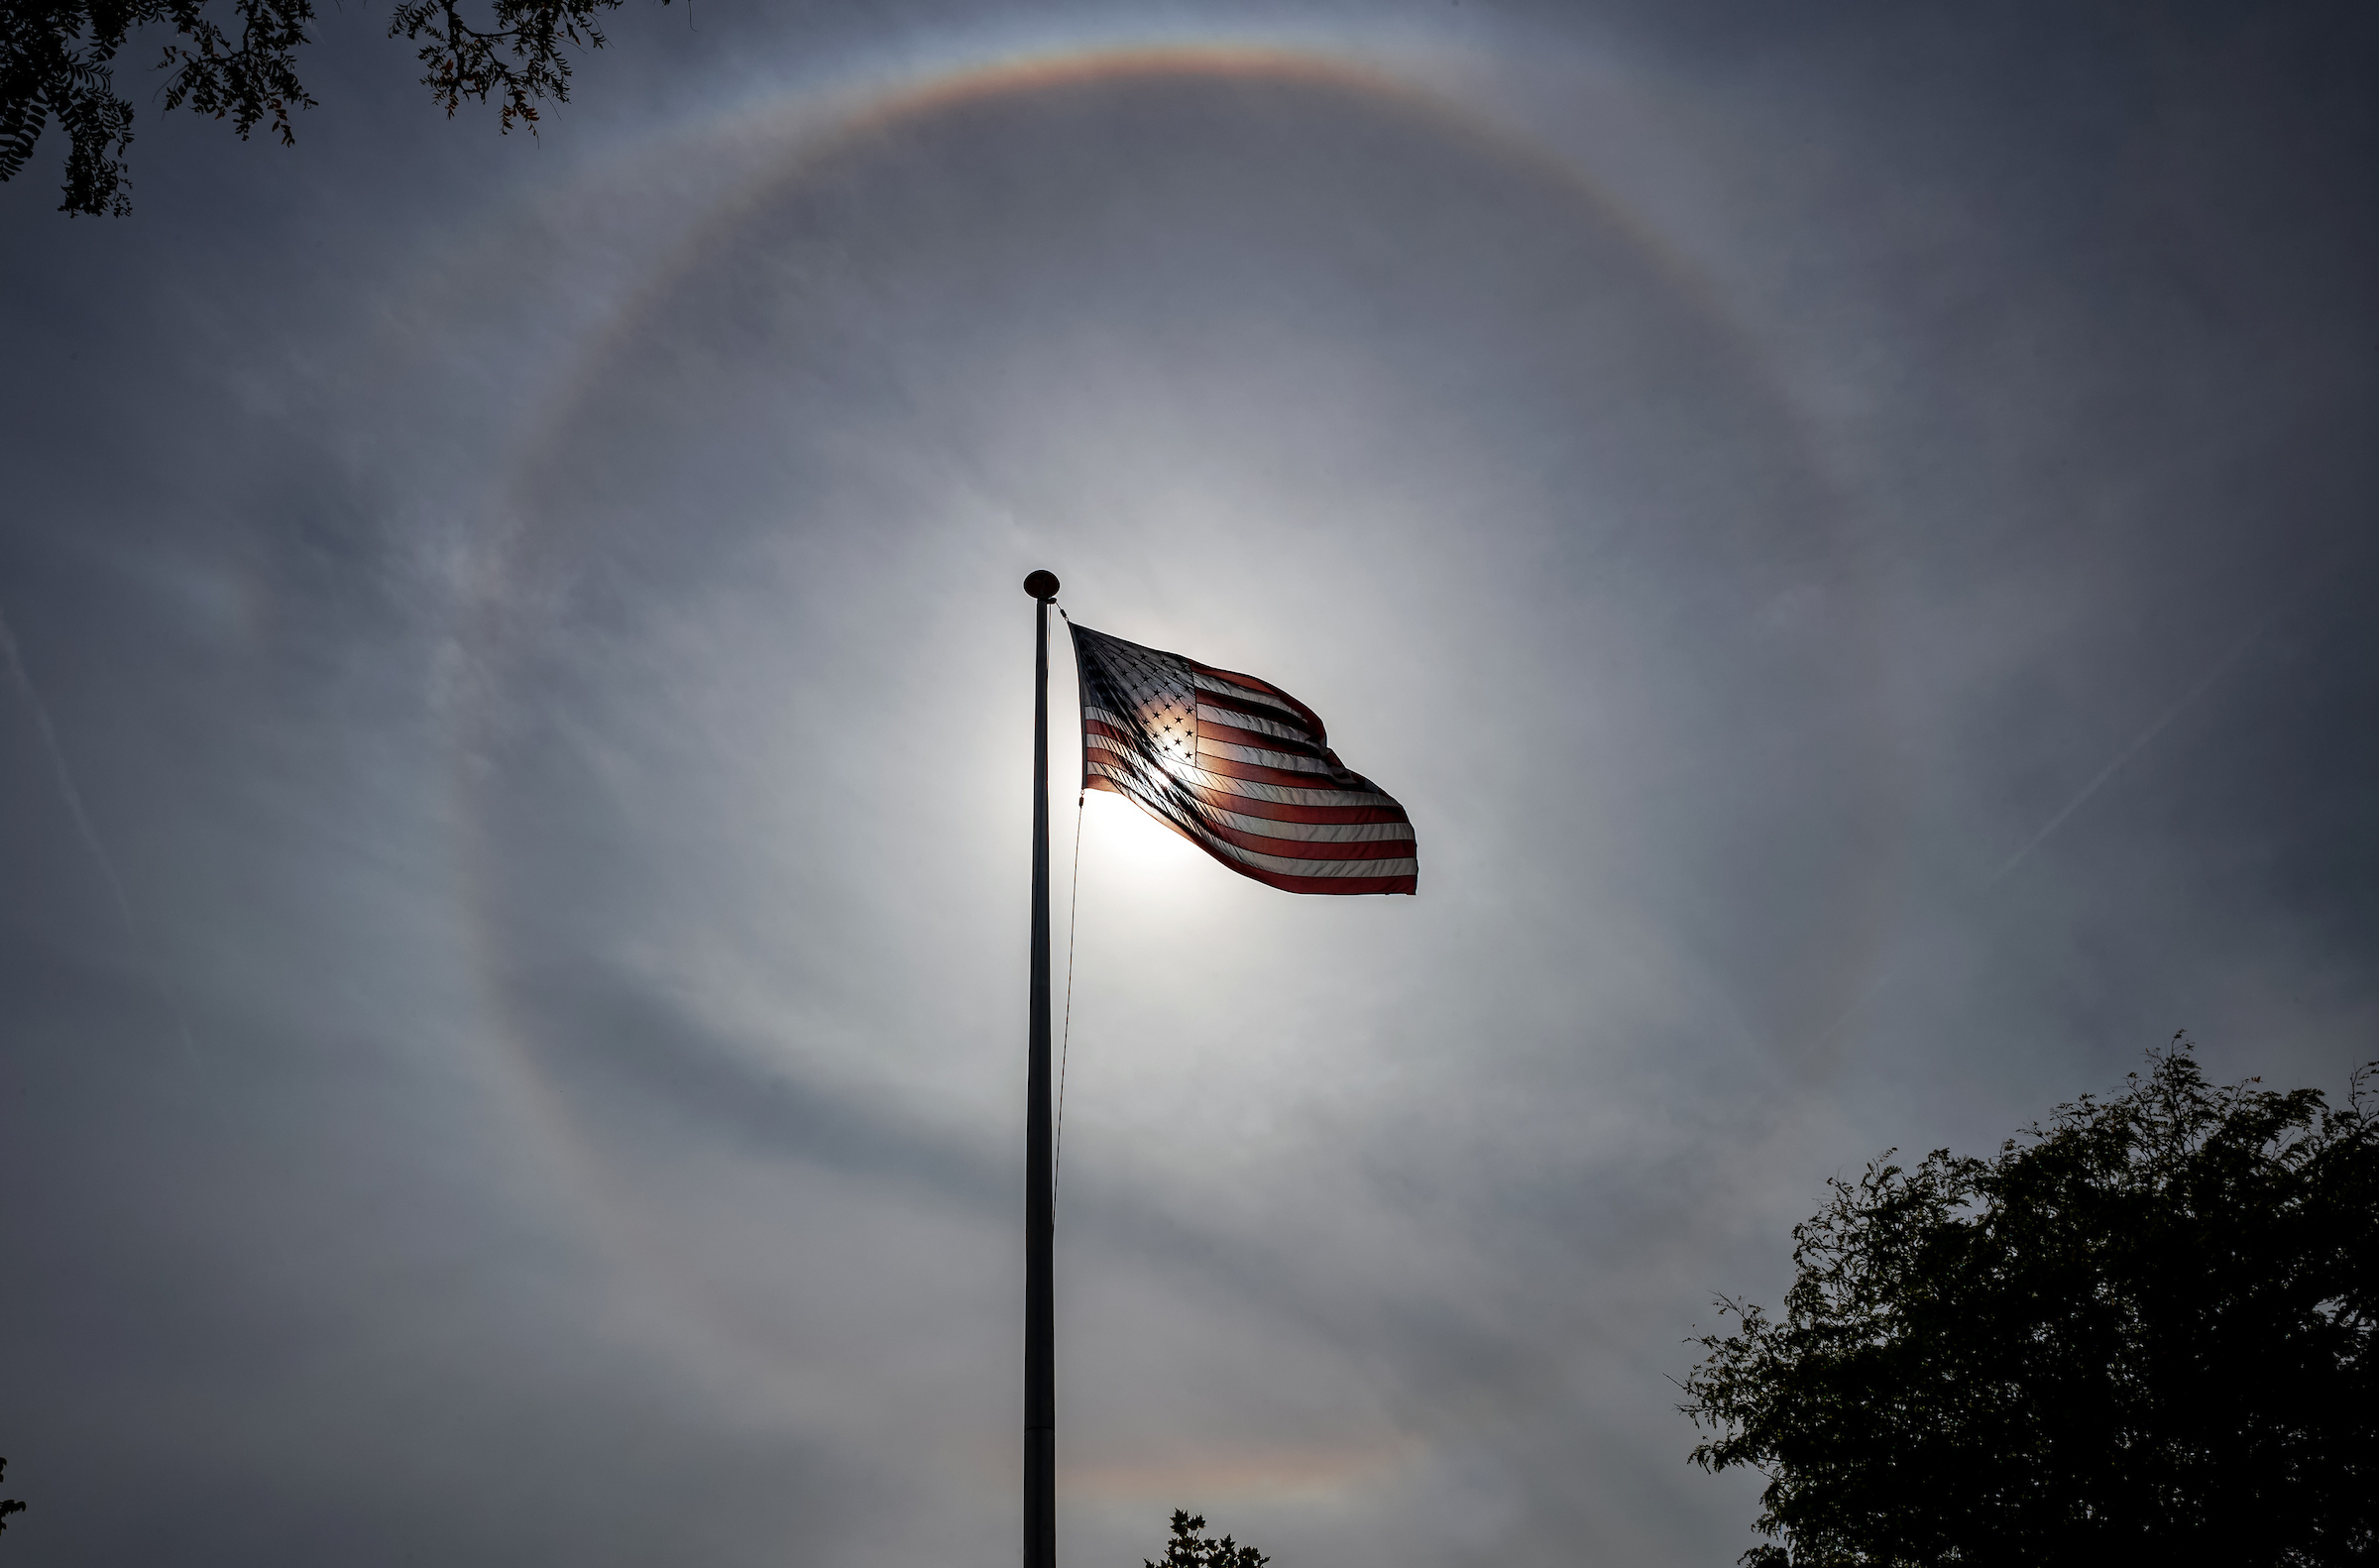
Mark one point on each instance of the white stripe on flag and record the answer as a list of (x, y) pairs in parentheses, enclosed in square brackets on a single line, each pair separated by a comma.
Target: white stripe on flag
[(1133, 765), (1286, 761), (1283, 794), (1262, 726), (1315, 832), (1207, 683)]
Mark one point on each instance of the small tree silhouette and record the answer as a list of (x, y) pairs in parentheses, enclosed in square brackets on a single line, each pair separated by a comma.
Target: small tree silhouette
[(1187, 1550), (9, 1505)]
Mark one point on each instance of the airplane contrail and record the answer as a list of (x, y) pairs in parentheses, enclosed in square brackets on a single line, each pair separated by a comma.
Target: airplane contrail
[(2127, 753), (2087, 790), (83, 827)]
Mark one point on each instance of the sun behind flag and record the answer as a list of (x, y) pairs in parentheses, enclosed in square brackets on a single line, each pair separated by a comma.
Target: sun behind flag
[(1238, 767)]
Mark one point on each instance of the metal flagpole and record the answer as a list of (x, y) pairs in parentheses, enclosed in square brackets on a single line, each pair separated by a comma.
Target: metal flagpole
[(1040, 1228)]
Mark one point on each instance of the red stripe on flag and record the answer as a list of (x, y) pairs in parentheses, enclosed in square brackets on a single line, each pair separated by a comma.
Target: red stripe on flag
[(1212, 703), (1249, 806), (1257, 773), (1312, 718), (1311, 849), (1232, 734), (1329, 884)]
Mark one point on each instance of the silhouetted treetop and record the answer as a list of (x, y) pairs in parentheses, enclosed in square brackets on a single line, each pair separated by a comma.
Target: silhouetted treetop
[(1187, 1550), (2144, 1328)]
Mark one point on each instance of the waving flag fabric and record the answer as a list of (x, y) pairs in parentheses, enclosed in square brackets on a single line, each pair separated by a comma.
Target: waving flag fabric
[(1238, 767)]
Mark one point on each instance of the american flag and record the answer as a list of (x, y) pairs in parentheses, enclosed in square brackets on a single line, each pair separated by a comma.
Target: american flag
[(1238, 767)]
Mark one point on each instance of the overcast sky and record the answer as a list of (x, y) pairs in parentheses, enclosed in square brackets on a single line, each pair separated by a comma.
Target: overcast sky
[(1849, 527)]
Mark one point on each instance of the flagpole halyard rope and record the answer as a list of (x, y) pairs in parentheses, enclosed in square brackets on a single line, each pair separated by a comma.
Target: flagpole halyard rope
[(1074, 900)]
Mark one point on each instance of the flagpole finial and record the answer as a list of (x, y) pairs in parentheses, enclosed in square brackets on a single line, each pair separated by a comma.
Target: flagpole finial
[(1042, 585)]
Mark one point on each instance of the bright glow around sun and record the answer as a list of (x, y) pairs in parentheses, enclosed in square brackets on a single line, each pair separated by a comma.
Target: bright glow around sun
[(1123, 843)]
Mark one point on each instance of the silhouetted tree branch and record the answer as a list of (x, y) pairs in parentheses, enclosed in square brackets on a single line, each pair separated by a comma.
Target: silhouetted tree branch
[(2143, 1332), (235, 59), (1187, 1550)]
